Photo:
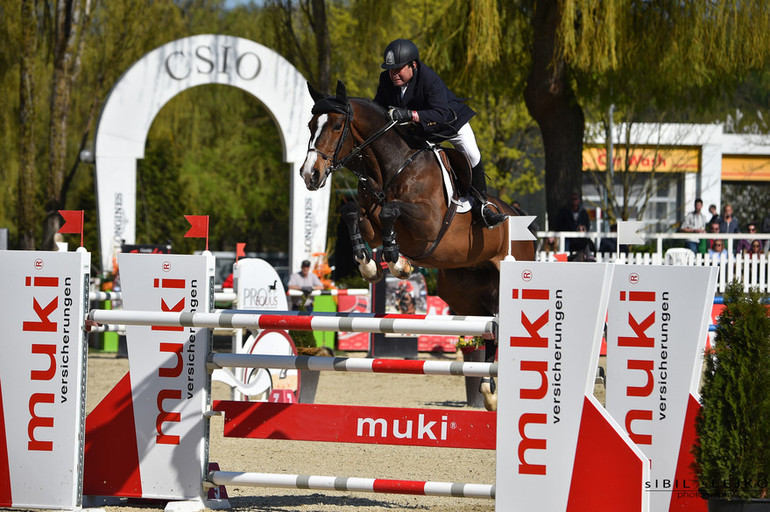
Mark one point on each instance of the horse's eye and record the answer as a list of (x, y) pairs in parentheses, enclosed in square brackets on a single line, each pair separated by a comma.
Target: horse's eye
[(337, 127)]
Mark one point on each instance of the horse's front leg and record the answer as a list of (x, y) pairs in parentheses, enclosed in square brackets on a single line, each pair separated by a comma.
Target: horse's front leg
[(369, 269), (399, 266)]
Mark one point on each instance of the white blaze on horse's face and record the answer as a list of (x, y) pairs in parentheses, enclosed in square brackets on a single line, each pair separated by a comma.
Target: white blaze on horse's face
[(314, 168)]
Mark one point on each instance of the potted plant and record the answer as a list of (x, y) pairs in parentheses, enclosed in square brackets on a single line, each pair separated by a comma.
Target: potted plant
[(732, 449)]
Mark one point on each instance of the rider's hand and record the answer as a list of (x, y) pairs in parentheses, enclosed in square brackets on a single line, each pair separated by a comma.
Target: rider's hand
[(401, 115)]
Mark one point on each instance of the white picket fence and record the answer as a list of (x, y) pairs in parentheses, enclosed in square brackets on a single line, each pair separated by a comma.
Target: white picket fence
[(752, 271)]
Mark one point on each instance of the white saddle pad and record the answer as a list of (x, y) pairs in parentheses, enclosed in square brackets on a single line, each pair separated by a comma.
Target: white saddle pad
[(465, 203)]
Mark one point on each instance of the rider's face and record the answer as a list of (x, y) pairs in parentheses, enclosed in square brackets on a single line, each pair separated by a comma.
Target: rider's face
[(400, 76)]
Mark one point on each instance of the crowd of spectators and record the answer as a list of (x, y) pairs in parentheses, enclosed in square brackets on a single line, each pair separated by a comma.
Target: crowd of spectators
[(728, 223)]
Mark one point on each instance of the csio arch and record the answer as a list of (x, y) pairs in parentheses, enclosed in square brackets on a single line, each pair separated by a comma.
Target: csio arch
[(163, 73)]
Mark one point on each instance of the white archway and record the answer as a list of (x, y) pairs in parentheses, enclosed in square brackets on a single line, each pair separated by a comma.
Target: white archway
[(163, 73)]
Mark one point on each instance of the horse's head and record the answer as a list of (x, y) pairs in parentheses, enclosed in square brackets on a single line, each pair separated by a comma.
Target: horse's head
[(329, 129)]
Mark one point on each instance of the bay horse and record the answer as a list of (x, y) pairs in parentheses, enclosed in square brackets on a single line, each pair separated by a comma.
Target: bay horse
[(402, 205)]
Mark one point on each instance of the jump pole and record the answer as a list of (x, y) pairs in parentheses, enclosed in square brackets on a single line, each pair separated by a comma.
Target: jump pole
[(336, 483), (359, 365), (243, 320)]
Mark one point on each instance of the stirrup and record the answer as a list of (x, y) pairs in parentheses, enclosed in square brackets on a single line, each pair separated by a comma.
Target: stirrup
[(491, 219)]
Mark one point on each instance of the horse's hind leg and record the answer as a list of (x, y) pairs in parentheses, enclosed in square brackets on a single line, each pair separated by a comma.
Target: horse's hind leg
[(369, 268), (474, 291), (399, 266)]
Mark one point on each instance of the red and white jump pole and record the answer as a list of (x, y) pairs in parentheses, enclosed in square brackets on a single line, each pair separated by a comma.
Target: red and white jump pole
[(403, 324), (336, 483), (359, 365)]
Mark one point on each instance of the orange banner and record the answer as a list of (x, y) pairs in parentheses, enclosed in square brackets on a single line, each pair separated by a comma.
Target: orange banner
[(641, 159)]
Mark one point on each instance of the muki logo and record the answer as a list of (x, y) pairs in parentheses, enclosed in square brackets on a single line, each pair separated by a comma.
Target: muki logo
[(45, 308), (371, 427), (641, 329), (171, 377), (535, 317)]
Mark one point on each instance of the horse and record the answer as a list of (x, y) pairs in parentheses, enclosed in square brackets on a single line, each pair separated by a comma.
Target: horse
[(402, 205)]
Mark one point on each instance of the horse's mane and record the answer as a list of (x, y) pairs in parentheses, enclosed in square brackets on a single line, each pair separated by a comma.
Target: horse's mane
[(333, 104)]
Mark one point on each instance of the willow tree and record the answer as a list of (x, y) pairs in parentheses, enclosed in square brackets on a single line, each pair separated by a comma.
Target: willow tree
[(600, 52)]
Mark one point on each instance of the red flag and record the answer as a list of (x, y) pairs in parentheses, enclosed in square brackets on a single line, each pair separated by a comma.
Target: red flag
[(199, 227), (73, 222), (239, 251)]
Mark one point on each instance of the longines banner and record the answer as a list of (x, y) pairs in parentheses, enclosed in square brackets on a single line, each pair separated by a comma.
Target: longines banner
[(656, 332), (163, 73), (147, 438), (42, 377), (557, 447)]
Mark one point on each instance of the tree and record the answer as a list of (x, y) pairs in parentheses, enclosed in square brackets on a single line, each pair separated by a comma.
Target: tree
[(27, 148), (71, 20), (602, 52)]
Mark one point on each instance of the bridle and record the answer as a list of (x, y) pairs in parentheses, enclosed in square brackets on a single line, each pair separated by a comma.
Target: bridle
[(336, 162)]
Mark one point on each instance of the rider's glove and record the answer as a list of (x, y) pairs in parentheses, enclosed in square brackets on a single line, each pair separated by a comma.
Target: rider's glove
[(401, 115)]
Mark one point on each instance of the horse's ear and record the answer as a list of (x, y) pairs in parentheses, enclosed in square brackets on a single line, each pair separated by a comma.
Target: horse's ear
[(342, 94), (313, 93)]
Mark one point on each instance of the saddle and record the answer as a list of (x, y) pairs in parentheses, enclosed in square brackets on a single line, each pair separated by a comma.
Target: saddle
[(459, 168)]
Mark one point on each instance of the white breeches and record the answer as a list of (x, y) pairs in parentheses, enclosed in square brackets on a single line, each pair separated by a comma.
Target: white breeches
[(465, 141)]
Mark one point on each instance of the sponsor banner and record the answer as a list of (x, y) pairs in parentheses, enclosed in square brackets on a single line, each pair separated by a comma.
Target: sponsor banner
[(448, 428), (353, 341), (656, 331), (428, 343), (42, 377), (169, 382), (258, 286), (553, 436)]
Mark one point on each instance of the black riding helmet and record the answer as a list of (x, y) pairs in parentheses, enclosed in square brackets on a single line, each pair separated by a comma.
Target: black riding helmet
[(398, 53)]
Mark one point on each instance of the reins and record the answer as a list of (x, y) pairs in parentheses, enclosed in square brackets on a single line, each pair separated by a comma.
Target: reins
[(378, 193)]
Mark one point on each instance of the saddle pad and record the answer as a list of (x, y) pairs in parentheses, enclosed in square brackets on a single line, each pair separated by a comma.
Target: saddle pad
[(464, 204)]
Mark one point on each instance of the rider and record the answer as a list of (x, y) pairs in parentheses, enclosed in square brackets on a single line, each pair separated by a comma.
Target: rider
[(414, 93)]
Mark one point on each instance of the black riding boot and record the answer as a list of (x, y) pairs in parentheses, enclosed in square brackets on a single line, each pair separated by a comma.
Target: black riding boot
[(488, 216)]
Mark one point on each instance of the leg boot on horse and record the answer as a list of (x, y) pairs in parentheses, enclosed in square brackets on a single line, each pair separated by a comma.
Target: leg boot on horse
[(483, 210)]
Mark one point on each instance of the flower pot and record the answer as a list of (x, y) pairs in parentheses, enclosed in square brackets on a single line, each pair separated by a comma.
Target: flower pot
[(725, 505), (472, 394)]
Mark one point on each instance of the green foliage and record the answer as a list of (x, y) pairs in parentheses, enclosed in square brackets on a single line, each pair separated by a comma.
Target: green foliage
[(733, 449)]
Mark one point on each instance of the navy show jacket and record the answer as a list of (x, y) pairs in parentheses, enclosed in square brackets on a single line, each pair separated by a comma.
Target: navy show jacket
[(441, 112)]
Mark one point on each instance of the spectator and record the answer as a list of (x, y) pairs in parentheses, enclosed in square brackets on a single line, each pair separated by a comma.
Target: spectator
[(718, 250), (549, 245), (694, 222), (728, 223), (610, 243), (744, 246), (713, 228), (583, 249), (714, 213), (307, 282), (756, 248), (570, 218)]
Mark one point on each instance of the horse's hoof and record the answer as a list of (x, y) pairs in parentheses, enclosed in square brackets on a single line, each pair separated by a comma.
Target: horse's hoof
[(402, 268), (487, 388), (490, 402), (373, 279)]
